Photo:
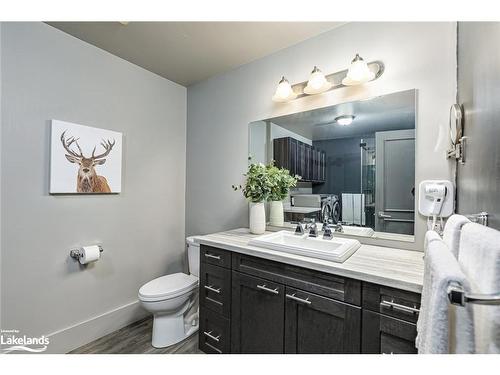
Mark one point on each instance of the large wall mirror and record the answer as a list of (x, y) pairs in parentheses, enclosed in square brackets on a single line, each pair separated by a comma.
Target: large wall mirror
[(356, 161)]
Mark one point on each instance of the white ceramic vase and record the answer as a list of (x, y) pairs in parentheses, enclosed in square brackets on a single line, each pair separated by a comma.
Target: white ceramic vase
[(257, 218), (276, 217)]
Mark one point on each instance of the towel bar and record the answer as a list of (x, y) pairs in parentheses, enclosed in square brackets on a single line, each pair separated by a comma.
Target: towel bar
[(458, 297)]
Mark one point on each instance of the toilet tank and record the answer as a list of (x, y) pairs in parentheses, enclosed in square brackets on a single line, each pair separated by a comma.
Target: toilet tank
[(193, 256)]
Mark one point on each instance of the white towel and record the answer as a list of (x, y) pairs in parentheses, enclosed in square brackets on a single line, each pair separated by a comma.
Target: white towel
[(451, 233), (441, 271), (479, 257), (431, 236)]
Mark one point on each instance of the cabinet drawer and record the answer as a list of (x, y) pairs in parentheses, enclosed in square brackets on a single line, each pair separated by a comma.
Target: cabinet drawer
[(213, 255), (390, 301), (215, 289), (386, 335), (336, 287), (214, 335)]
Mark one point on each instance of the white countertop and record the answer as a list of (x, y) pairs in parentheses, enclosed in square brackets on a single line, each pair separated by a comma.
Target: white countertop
[(397, 268)]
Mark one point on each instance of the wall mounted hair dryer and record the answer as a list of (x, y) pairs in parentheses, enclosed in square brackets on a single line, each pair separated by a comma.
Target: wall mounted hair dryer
[(436, 200)]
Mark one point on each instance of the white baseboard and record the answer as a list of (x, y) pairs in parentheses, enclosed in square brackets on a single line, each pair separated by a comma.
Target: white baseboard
[(70, 338)]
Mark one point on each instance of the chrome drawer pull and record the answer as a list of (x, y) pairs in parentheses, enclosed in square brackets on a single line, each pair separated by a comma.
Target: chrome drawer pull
[(212, 256), (397, 306), (266, 289), (301, 300), (210, 336), (213, 348), (212, 289)]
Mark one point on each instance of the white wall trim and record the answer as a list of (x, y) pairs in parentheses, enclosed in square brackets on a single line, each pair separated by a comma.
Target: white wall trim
[(82, 333)]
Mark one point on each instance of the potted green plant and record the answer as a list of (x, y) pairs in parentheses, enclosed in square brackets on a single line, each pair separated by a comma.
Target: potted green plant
[(281, 181), (256, 189)]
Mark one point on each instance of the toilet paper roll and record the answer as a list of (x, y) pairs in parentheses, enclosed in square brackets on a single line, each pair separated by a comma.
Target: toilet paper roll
[(89, 254)]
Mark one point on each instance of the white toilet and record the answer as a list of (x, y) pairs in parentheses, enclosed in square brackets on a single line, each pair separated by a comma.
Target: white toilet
[(173, 300)]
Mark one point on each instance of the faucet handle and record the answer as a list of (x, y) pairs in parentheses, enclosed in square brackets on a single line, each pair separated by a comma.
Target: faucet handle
[(327, 233), (299, 229)]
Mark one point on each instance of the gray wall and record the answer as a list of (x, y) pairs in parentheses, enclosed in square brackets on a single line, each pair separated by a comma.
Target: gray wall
[(343, 166), (478, 180), (47, 74), (416, 55)]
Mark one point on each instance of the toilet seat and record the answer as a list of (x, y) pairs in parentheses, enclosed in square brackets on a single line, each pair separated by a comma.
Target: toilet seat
[(167, 287)]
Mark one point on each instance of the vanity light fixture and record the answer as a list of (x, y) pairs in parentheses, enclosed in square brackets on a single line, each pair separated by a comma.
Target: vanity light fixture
[(344, 120), (358, 73), (284, 91), (317, 83)]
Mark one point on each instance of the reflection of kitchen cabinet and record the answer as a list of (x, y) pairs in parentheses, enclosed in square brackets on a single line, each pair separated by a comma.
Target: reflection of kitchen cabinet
[(300, 158)]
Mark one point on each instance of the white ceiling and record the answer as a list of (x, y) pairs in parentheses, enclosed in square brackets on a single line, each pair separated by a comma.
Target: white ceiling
[(189, 52), (382, 113)]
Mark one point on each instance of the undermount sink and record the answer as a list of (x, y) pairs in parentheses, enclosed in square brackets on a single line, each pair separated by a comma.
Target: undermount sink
[(357, 231), (335, 250)]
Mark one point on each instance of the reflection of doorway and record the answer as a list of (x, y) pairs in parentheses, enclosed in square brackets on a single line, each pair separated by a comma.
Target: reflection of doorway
[(395, 181)]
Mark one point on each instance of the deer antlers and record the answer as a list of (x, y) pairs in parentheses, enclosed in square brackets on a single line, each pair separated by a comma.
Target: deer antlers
[(67, 143), (108, 146)]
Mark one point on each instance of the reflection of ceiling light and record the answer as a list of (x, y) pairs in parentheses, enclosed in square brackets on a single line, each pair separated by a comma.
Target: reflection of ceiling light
[(344, 120), (317, 83), (358, 72), (284, 91)]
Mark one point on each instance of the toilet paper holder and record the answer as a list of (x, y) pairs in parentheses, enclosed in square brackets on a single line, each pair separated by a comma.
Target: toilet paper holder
[(77, 253)]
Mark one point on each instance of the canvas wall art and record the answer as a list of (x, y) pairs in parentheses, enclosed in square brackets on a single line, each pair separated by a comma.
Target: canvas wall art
[(84, 160)]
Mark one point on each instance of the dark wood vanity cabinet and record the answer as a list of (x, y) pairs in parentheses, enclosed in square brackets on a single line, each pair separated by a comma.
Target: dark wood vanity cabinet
[(254, 305), (389, 320), (300, 158), (257, 319), (386, 335), (316, 324)]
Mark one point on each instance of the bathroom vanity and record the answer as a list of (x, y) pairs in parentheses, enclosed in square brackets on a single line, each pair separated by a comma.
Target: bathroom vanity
[(255, 300)]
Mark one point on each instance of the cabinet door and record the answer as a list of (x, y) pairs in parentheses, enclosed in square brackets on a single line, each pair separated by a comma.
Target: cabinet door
[(308, 162), (315, 164), (315, 324), (292, 156), (257, 318), (301, 160), (322, 166), (387, 335)]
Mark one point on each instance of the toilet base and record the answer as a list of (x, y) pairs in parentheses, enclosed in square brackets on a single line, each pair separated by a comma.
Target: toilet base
[(169, 330)]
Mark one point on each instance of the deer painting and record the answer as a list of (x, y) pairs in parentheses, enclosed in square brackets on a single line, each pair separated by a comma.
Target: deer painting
[(87, 180)]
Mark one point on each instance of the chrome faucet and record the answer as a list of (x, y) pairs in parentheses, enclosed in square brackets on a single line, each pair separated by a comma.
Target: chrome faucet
[(327, 229), (313, 229), (338, 228)]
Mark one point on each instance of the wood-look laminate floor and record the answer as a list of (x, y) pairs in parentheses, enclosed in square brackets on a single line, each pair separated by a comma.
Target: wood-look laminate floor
[(136, 339)]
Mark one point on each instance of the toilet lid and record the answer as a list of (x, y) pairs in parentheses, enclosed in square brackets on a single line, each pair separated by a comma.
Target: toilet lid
[(167, 287)]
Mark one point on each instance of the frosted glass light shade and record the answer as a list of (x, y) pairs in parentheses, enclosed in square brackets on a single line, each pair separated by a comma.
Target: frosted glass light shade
[(284, 91), (317, 83), (358, 73), (344, 120)]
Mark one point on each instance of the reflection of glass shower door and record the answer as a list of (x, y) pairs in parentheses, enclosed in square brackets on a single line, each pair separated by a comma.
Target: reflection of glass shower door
[(395, 179), (367, 146)]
